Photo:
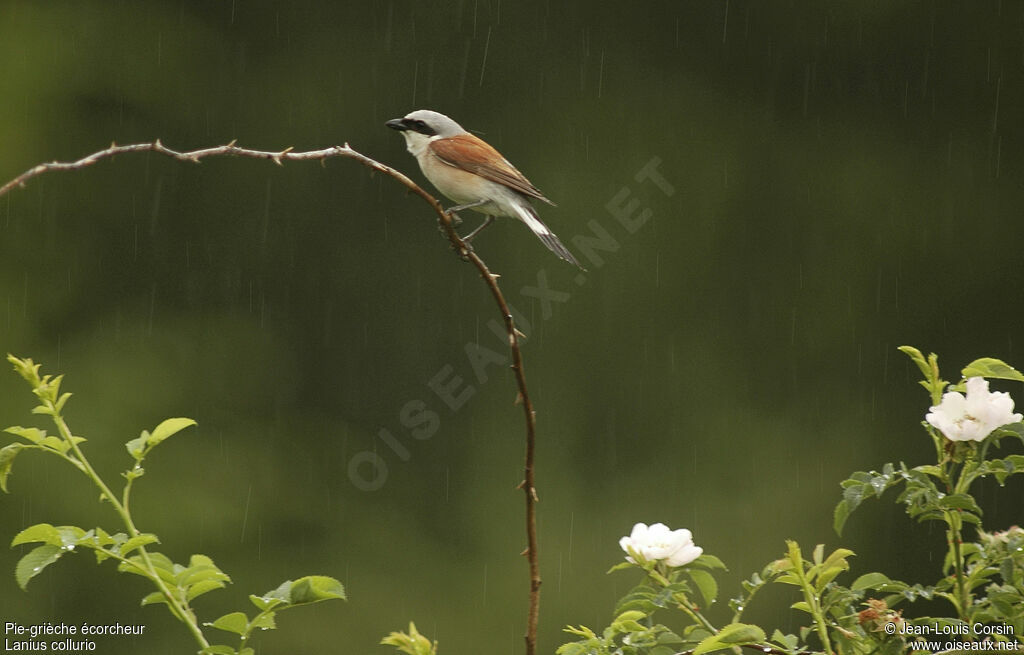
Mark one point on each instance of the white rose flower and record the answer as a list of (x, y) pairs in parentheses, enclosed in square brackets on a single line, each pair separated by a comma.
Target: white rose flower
[(657, 542), (975, 417)]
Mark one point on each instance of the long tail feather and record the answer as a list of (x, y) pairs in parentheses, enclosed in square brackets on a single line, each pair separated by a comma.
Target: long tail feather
[(529, 216)]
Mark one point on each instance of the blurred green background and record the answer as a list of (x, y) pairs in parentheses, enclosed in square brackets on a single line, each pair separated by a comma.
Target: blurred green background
[(848, 177)]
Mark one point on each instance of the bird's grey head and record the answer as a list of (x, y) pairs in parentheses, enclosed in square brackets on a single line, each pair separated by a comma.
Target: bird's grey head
[(428, 123)]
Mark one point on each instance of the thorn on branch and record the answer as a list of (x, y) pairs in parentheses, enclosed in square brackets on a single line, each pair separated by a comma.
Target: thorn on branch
[(278, 156)]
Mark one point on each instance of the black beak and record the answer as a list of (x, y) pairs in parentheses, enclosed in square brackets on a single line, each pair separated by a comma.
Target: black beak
[(397, 124)]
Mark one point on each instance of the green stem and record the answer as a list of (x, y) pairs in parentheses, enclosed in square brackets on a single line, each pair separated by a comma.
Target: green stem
[(962, 593), (690, 610), (820, 624), (684, 603), (126, 494), (243, 642), (180, 610), (819, 619)]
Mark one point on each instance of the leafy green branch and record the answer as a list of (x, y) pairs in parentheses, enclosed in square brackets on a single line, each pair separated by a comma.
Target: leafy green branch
[(812, 578), (176, 585), (941, 491)]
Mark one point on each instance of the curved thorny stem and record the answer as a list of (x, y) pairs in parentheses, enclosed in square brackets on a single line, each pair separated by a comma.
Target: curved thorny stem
[(446, 220)]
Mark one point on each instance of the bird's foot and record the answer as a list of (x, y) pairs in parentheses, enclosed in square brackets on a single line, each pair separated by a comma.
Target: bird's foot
[(463, 250), (469, 237)]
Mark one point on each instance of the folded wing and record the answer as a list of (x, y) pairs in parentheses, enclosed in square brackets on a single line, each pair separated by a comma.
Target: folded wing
[(471, 154)]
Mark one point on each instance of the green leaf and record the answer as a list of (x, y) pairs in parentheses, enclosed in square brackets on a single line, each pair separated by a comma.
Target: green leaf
[(282, 593), (7, 455), (705, 583), (153, 598), (915, 355), (793, 554), (265, 621), (314, 588), (1011, 430), (59, 405), (870, 581), (161, 564), (989, 367), (625, 627), (838, 558), (236, 622), (200, 588), (932, 382), (839, 516), (572, 648), (734, 634), (581, 631), (26, 368), (35, 561), (137, 447), (263, 603), (35, 435), (56, 444), (411, 643), (827, 575), (854, 492), (71, 536), (102, 537), (40, 532), (51, 386), (195, 575), (200, 569), (628, 621), (168, 428), (309, 589), (669, 637), (930, 469), (219, 649), (960, 501), (136, 542), (710, 562), (629, 616), (199, 560), (818, 553), (790, 642)]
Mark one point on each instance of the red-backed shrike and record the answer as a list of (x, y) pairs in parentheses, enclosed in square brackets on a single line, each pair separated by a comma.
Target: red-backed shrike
[(475, 175)]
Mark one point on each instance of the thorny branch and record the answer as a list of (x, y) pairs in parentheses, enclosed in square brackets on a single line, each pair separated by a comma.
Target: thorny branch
[(461, 248)]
